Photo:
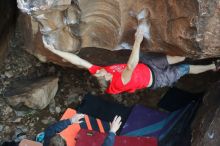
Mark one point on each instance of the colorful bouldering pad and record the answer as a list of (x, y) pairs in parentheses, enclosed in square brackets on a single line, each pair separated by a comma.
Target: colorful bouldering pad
[(90, 123), (94, 138)]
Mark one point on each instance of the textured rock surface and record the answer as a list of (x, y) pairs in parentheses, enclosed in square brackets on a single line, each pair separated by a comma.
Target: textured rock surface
[(100, 23), (8, 11), (189, 28), (206, 130), (34, 45), (36, 95), (55, 19), (33, 40), (6, 112), (208, 27)]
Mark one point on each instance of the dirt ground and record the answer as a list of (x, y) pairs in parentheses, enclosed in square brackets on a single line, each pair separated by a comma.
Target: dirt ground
[(73, 85)]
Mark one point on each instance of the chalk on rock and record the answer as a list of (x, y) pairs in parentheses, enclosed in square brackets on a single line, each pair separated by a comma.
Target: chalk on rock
[(142, 14)]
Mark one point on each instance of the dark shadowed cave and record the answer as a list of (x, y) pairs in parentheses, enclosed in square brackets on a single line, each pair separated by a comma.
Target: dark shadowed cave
[(188, 28)]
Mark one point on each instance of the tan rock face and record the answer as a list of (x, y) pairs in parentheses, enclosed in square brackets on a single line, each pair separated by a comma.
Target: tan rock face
[(54, 18), (172, 30), (36, 95), (6, 112), (187, 28), (100, 23), (33, 41)]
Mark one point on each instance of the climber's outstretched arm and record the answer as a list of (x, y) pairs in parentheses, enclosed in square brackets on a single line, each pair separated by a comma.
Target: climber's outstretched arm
[(133, 59), (142, 31), (72, 58)]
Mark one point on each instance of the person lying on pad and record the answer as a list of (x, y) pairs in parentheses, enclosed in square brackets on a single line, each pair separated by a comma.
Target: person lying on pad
[(50, 136), (141, 71), (115, 125)]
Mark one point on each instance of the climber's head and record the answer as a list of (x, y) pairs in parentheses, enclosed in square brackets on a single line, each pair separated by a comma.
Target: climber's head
[(104, 78), (104, 74), (57, 140)]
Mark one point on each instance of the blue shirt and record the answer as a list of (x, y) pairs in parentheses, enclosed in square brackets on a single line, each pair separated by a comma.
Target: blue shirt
[(61, 125)]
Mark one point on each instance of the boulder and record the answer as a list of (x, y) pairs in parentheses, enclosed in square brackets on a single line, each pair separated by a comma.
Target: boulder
[(55, 19), (35, 95), (206, 130), (187, 28)]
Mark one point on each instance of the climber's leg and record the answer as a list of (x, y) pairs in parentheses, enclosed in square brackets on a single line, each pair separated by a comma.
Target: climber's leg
[(175, 59), (196, 69)]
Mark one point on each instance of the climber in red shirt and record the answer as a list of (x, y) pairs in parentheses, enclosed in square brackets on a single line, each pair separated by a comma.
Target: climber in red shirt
[(154, 70)]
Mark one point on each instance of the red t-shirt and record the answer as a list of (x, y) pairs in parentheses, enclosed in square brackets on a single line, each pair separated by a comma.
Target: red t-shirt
[(140, 78)]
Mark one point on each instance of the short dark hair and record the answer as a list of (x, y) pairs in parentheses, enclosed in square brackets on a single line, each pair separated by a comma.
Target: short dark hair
[(57, 140), (103, 84)]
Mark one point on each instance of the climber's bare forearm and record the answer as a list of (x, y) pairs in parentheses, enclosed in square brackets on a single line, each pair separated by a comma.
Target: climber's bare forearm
[(134, 57), (72, 58), (133, 60)]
